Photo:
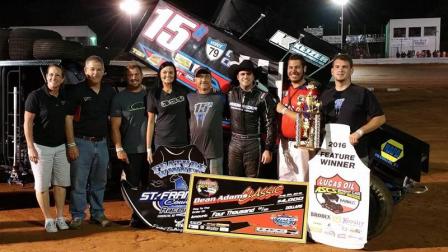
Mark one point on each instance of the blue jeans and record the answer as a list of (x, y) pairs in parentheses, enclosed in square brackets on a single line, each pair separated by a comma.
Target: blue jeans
[(89, 177)]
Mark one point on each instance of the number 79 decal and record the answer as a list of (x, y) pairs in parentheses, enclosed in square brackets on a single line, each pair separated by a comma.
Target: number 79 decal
[(169, 29)]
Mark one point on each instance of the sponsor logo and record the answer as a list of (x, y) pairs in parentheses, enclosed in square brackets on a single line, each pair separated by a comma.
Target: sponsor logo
[(137, 106), (248, 195), (261, 193), (214, 49), (320, 215), (200, 112), (392, 150), (86, 99), (207, 187), (177, 167), (337, 194), (284, 220), (137, 52), (172, 101), (169, 203)]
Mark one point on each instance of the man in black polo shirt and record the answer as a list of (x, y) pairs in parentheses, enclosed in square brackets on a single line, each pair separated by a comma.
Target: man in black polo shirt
[(86, 127)]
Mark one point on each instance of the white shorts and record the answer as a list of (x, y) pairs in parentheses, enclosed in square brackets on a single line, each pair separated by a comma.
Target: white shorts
[(52, 168), (292, 162)]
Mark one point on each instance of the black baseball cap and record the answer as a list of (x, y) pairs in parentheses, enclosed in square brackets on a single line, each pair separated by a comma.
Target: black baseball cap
[(202, 70)]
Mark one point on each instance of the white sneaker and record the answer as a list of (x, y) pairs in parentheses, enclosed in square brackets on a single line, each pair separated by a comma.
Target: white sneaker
[(61, 224), (50, 226)]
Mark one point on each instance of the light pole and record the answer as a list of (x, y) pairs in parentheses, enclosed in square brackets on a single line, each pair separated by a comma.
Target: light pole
[(341, 3), (130, 7)]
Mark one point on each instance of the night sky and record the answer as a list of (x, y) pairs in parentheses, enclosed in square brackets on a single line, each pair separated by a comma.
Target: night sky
[(112, 26)]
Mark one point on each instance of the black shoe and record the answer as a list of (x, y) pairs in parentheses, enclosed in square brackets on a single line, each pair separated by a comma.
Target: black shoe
[(102, 221), (135, 222)]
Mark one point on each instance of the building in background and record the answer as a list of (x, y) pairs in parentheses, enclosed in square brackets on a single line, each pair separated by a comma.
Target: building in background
[(412, 37)]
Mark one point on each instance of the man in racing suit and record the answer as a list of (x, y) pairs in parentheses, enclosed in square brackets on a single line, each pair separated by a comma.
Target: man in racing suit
[(250, 110)]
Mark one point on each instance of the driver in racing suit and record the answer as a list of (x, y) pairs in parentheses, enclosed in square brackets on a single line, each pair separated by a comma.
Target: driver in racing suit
[(250, 110)]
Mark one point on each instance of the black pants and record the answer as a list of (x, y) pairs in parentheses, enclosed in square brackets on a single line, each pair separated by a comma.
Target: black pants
[(137, 171), (244, 157)]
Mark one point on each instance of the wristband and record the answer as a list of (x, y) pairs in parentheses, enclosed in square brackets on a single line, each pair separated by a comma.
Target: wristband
[(71, 145), (149, 150), (118, 149), (360, 132)]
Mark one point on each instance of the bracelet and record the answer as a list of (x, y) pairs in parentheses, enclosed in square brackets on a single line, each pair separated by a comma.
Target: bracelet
[(149, 150), (283, 110), (118, 149), (360, 132), (71, 145)]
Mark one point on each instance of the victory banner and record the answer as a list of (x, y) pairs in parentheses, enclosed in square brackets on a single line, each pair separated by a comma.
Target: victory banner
[(162, 205), (339, 192), (247, 208)]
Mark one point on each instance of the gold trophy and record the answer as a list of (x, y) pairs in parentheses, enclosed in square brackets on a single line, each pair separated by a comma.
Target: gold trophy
[(308, 120)]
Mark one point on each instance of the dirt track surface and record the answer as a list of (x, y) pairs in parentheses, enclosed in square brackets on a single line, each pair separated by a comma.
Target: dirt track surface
[(419, 221)]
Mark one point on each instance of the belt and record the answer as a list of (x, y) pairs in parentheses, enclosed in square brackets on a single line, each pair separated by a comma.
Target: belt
[(247, 136), (91, 139)]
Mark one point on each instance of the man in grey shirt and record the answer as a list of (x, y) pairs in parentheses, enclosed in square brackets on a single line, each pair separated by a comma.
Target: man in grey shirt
[(128, 123), (206, 114)]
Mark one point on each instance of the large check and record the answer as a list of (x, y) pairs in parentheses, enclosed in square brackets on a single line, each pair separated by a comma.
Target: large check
[(244, 207)]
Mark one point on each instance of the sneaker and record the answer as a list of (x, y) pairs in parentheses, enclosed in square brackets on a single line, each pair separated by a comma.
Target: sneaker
[(102, 220), (76, 223), (61, 224), (50, 226)]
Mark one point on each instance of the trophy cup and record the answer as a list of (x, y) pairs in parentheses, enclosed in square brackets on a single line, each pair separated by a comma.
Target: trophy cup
[(308, 120)]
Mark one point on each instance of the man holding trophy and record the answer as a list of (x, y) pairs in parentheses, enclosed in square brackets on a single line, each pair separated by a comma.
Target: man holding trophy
[(299, 130)]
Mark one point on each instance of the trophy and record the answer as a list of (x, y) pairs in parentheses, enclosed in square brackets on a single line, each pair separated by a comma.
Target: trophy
[(308, 120)]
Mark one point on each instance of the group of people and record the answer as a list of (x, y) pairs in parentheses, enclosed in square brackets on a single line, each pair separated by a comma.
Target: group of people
[(66, 132)]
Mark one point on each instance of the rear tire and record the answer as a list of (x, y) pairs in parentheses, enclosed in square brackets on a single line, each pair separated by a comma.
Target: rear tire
[(380, 208)]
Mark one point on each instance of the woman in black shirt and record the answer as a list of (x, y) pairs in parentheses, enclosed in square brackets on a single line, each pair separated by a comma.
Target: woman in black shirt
[(45, 110)]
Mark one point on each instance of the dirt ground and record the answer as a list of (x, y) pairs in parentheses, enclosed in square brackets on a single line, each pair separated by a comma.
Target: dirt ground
[(419, 221)]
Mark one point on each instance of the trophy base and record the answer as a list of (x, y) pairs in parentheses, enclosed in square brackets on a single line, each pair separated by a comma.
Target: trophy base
[(305, 145)]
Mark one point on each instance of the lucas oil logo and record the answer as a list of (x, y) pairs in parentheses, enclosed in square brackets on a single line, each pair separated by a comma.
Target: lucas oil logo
[(207, 187), (337, 194), (214, 49)]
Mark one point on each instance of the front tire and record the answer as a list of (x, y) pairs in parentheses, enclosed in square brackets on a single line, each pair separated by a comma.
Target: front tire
[(380, 208)]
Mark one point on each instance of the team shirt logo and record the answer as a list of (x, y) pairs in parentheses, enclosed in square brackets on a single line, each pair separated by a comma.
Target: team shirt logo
[(338, 104), (200, 112)]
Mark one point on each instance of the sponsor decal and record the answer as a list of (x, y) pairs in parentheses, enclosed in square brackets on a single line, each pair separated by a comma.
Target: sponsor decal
[(248, 195), (169, 203), (179, 166), (337, 194), (207, 187), (284, 220), (392, 150), (214, 49)]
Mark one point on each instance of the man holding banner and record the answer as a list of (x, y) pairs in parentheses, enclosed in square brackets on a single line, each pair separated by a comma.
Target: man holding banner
[(353, 105)]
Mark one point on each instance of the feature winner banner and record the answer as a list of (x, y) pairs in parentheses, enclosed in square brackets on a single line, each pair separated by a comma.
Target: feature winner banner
[(339, 192), (162, 205), (247, 208), (169, 34)]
